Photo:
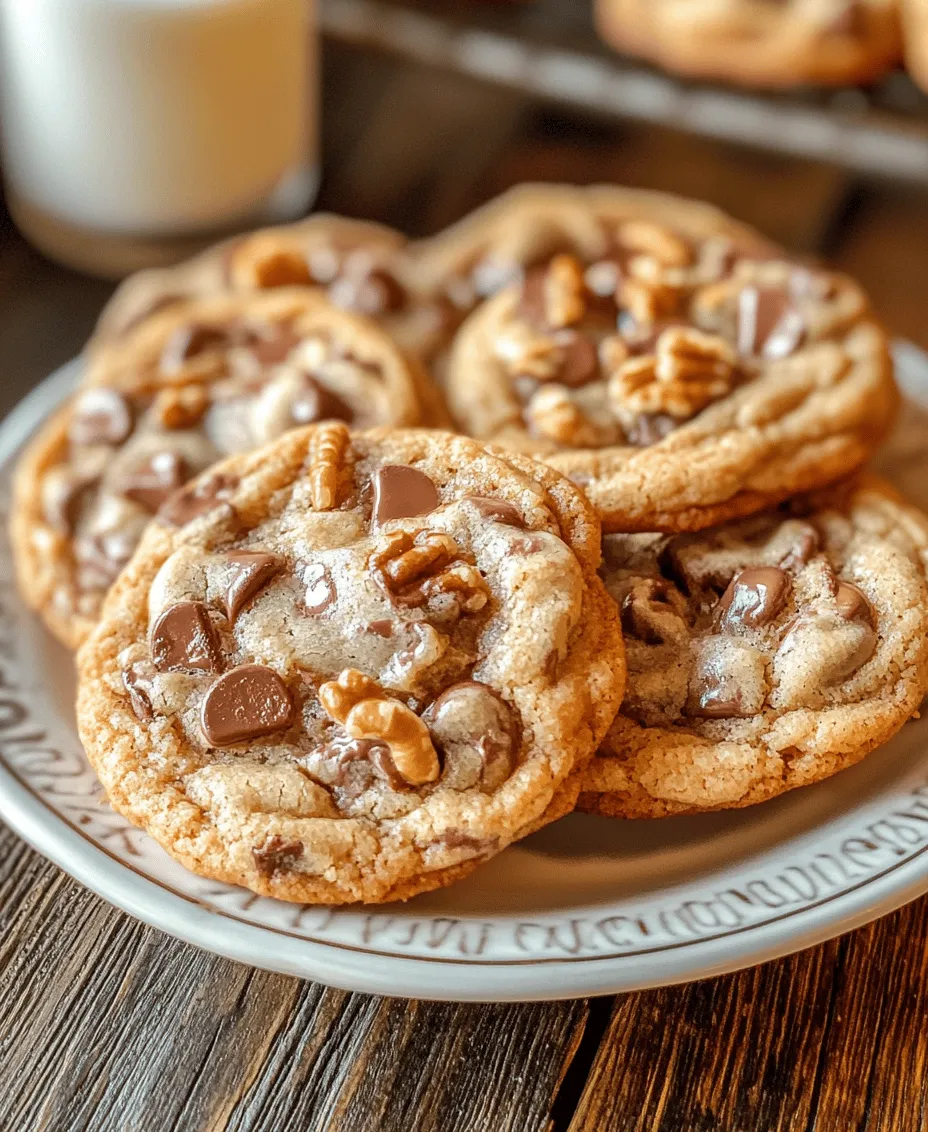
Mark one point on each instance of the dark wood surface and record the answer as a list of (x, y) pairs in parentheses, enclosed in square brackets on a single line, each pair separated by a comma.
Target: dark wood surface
[(107, 1025)]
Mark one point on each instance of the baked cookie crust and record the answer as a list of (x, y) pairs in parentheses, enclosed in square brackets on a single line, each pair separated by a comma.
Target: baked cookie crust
[(185, 387), (759, 43), (763, 655), (363, 664), (686, 375)]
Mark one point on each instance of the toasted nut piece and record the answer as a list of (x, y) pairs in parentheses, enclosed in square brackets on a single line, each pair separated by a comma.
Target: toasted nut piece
[(181, 406), (326, 450), (564, 292), (339, 696), (653, 240), (553, 415)]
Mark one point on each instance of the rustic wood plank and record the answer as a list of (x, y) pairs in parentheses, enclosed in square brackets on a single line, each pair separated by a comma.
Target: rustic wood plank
[(876, 1047), (735, 1053), (98, 1013)]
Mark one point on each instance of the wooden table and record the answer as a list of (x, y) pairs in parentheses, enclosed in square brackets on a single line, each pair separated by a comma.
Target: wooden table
[(109, 1026)]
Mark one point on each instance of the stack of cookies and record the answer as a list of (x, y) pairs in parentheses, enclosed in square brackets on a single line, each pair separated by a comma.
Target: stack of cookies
[(381, 555)]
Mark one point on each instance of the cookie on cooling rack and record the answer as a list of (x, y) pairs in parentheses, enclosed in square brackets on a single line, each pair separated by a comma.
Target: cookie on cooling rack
[(763, 655), (185, 387), (351, 667), (759, 42)]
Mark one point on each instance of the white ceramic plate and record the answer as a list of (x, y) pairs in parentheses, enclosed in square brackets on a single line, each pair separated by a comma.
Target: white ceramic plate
[(587, 906)]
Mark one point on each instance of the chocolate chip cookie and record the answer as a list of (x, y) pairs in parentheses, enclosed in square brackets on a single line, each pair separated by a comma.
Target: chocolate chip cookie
[(187, 386), (350, 667), (763, 655), (685, 376), (765, 43), (362, 267)]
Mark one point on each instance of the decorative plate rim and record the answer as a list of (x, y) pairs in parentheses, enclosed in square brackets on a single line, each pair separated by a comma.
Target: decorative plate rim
[(374, 970)]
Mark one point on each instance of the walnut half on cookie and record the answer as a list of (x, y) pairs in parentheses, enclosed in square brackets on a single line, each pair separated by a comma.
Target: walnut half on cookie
[(764, 654), (360, 693)]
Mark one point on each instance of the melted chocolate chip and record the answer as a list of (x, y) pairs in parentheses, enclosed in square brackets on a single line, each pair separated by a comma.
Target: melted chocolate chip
[(401, 491), (459, 839), (139, 688), (183, 637), (381, 628), (471, 720), (531, 544), (806, 545), (62, 498), (158, 478), (101, 558), (373, 293), (314, 402), (197, 499), (853, 604), (579, 361), (649, 429), (320, 589), (497, 510), (754, 597), (252, 570), (718, 700), (245, 703), (276, 855), (188, 342), (532, 307), (101, 416), (768, 323), (271, 345)]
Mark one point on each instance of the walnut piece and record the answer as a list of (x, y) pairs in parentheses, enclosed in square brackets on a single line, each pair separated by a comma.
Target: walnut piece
[(554, 415), (361, 706), (425, 569), (652, 240), (181, 406), (326, 449), (689, 370), (564, 292)]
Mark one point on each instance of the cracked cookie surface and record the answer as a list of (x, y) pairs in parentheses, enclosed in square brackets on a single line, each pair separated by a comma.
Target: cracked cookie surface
[(773, 43), (350, 667), (186, 387), (763, 655), (685, 375)]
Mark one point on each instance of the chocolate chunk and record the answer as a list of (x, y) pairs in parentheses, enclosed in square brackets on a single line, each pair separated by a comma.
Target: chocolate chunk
[(459, 839), (381, 628), (729, 680), (138, 685), (531, 544), (853, 604), (718, 699), (649, 429), (354, 765), (159, 477), (183, 637), (245, 703), (188, 342), (654, 611), (497, 510), (272, 344), (806, 545), (252, 570), (63, 493), (101, 416), (314, 402), (477, 734), (197, 499), (276, 855), (532, 306), (579, 361), (768, 323), (320, 589), (401, 491), (101, 558), (754, 597)]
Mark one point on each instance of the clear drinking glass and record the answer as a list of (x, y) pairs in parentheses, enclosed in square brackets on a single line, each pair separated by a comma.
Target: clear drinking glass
[(135, 131)]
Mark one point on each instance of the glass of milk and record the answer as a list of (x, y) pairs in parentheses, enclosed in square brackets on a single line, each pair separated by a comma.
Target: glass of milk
[(135, 130)]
